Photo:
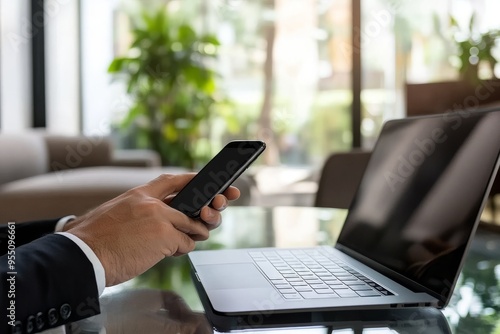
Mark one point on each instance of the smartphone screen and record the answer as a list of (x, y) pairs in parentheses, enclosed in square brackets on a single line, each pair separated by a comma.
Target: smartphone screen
[(216, 176)]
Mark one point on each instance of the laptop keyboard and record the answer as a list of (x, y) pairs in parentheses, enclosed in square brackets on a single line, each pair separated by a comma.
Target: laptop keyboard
[(310, 273)]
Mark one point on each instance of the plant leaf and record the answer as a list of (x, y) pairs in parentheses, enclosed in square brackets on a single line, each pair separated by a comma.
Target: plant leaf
[(116, 65), (453, 22), (471, 22)]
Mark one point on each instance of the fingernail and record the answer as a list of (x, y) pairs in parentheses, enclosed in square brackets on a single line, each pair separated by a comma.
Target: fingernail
[(224, 206), (210, 213)]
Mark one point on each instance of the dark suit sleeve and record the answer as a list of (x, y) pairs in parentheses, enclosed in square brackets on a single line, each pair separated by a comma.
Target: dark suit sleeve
[(54, 283), (26, 232)]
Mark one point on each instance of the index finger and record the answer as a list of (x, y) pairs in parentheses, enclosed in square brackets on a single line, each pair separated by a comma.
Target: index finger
[(231, 193), (166, 184)]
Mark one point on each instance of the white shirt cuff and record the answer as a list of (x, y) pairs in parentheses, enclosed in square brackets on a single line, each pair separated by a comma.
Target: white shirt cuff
[(60, 224), (100, 275)]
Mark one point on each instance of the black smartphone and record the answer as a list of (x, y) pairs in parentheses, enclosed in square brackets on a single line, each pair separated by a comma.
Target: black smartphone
[(218, 174)]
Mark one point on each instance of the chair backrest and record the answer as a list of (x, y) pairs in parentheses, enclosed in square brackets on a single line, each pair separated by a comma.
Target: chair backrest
[(339, 179), (67, 152)]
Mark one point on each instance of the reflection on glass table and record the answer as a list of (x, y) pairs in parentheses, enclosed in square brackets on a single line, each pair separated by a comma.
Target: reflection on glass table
[(474, 308), (157, 311)]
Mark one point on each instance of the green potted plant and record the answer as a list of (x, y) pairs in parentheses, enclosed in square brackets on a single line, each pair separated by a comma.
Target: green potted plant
[(474, 47), (174, 90), (471, 90)]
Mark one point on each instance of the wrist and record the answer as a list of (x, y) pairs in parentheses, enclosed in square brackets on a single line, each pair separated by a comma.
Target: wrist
[(70, 224), (98, 249)]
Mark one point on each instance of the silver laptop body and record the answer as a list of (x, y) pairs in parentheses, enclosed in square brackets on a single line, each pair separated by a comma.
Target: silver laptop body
[(404, 239)]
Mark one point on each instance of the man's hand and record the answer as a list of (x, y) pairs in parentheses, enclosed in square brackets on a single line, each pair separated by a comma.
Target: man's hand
[(132, 232)]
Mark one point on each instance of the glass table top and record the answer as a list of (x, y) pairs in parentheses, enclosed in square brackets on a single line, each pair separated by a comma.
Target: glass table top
[(164, 300)]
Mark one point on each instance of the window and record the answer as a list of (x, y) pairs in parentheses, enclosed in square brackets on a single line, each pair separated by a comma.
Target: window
[(309, 111), (413, 42), (15, 83), (309, 114)]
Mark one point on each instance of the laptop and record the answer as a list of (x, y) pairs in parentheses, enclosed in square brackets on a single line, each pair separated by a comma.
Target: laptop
[(404, 239)]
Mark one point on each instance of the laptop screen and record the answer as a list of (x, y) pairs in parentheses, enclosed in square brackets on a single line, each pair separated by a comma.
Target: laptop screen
[(422, 193)]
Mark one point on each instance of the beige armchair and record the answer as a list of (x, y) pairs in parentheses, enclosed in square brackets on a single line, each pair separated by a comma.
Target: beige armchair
[(46, 176)]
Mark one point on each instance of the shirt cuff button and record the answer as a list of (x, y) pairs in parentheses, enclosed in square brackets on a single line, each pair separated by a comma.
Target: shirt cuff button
[(40, 321), (30, 324), (53, 316), (65, 311), (18, 328)]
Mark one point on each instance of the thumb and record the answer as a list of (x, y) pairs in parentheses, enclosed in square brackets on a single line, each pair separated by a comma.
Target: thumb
[(166, 184)]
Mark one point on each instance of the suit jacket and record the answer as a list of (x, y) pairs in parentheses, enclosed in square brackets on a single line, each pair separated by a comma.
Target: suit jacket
[(46, 280)]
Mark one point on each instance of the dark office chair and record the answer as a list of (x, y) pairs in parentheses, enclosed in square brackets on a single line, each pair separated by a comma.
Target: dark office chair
[(340, 178)]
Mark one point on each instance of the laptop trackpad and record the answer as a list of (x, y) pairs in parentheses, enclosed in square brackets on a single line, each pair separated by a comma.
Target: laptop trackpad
[(231, 276)]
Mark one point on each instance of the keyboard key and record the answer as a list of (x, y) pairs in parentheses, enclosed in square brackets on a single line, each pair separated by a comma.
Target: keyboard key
[(330, 279), (269, 270), (345, 293), (324, 275), (338, 272), (301, 269), (309, 274), (347, 279), (255, 254), (314, 295), (319, 286), (290, 290), (370, 293), (312, 280), (354, 283), (295, 263), (298, 283), (290, 275), (322, 291), (321, 271), (279, 281), (270, 253), (343, 275), (261, 259), (285, 271), (384, 290), (360, 288), (292, 296), (282, 286), (295, 279), (303, 288)]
